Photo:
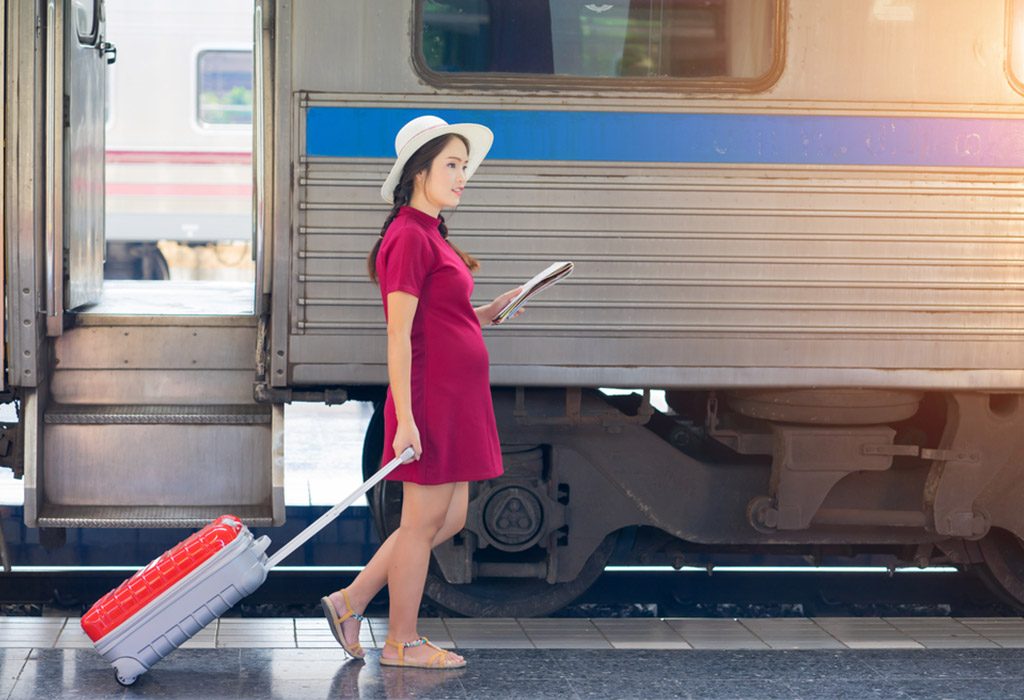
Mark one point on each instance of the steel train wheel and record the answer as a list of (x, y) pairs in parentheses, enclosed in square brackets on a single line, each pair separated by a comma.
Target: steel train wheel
[(1003, 554), (517, 597), (493, 597)]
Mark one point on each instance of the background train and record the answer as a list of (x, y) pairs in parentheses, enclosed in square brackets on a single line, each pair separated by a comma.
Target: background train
[(178, 124), (799, 220)]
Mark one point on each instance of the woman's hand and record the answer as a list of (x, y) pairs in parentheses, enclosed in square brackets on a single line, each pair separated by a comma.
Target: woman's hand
[(407, 435), (487, 312)]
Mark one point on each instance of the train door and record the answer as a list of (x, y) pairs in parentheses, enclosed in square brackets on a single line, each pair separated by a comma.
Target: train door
[(131, 417), (86, 56), (76, 61)]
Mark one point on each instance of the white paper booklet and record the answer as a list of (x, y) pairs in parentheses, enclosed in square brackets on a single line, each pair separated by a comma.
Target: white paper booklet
[(552, 274)]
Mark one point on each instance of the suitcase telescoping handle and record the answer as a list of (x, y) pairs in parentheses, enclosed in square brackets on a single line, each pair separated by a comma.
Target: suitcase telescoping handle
[(334, 512)]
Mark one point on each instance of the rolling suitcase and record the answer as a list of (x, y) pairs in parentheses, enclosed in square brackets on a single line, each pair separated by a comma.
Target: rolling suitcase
[(190, 585)]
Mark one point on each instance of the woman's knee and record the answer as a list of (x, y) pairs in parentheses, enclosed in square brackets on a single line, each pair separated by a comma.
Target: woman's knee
[(425, 526), (452, 527), (424, 511), (455, 518)]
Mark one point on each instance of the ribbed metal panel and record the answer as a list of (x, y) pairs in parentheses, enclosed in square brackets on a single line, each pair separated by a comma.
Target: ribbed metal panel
[(150, 516), (158, 415), (732, 256)]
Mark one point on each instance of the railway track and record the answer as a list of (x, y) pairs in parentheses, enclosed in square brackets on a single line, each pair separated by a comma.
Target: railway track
[(295, 592)]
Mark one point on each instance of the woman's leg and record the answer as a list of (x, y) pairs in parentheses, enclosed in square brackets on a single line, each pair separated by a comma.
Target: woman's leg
[(374, 575), (423, 513)]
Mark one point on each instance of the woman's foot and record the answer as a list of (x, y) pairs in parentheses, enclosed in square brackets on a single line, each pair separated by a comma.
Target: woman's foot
[(343, 603), (423, 654)]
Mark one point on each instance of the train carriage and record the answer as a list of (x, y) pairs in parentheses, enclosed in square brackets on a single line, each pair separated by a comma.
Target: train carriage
[(798, 219)]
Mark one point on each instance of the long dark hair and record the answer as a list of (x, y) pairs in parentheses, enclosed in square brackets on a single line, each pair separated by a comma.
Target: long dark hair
[(417, 163)]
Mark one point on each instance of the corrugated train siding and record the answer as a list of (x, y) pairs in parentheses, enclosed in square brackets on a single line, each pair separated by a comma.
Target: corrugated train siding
[(696, 269)]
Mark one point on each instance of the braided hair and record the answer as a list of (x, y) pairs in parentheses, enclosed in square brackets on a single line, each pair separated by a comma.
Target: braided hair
[(419, 161)]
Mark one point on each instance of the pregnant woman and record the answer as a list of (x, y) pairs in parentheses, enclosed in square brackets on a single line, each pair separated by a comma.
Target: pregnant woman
[(439, 398)]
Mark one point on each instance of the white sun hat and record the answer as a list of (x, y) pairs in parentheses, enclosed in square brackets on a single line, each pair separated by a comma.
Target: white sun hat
[(419, 131)]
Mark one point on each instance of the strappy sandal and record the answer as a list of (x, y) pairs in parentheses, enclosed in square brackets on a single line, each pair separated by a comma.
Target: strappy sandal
[(334, 620), (440, 660)]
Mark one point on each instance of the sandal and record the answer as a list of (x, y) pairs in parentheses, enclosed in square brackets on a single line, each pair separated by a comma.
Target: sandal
[(440, 660), (334, 620)]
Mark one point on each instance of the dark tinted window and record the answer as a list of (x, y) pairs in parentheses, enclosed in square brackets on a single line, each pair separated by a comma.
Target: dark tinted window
[(692, 39)]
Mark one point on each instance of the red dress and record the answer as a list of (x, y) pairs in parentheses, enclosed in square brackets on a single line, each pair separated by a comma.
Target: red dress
[(450, 378)]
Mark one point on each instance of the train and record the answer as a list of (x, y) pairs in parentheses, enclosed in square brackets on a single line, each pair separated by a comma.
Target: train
[(179, 159), (799, 220)]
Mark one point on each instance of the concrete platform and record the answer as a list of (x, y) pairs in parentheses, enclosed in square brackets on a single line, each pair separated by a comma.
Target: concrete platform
[(528, 673), (166, 298), (750, 634), (540, 658)]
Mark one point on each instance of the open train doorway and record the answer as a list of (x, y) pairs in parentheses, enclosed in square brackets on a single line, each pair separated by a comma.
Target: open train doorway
[(179, 175), (138, 389)]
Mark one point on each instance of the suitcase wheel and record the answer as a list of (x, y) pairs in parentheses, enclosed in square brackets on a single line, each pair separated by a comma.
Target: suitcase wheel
[(127, 670), (124, 680)]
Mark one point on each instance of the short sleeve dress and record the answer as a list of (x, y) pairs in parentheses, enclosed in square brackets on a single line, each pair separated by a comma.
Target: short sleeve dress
[(450, 379)]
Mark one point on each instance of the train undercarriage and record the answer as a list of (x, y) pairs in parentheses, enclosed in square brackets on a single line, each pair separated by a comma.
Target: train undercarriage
[(917, 478)]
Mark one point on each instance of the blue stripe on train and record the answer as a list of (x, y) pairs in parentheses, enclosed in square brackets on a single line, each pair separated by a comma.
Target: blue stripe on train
[(366, 132)]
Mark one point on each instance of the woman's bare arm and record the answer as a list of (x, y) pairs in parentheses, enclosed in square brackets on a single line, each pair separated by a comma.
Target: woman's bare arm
[(401, 311)]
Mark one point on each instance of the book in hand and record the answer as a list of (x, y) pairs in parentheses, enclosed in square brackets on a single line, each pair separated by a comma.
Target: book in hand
[(552, 274)]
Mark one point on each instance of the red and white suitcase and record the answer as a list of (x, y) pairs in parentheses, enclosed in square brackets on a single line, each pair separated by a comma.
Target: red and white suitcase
[(189, 586)]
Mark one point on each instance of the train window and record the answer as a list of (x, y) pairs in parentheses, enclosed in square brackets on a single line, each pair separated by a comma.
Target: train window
[(86, 20), (642, 41), (1015, 59), (224, 96)]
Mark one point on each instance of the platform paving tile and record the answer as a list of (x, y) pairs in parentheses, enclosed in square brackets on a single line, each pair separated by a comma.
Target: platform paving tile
[(564, 633), (715, 633), (940, 633), (31, 632), (72, 636), (488, 633), (791, 633), (256, 633), (1007, 632), (640, 633), (866, 633)]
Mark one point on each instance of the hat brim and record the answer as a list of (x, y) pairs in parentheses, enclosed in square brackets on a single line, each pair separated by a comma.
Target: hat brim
[(480, 139)]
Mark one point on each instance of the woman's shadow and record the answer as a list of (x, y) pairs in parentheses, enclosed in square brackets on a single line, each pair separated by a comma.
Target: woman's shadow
[(368, 679)]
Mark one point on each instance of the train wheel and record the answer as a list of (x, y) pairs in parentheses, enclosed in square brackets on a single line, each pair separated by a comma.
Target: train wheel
[(490, 597), (1003, 554), (134, 261), (517, 597)]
